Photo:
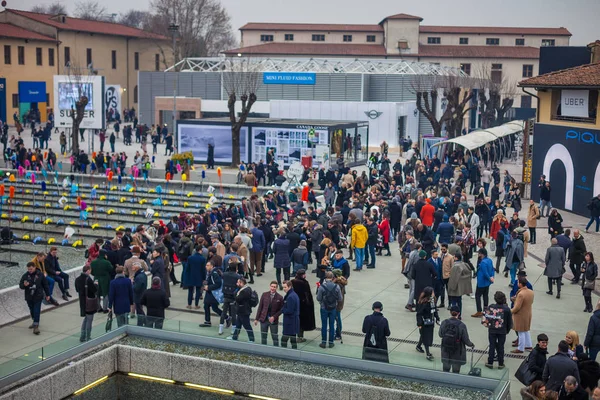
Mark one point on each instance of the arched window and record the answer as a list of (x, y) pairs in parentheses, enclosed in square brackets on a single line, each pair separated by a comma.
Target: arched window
[(135, 94)]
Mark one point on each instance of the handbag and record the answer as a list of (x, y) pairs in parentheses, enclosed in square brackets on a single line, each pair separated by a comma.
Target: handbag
[(524, 374), (91, 303), (493, 246), (589, 285), (109, 320)]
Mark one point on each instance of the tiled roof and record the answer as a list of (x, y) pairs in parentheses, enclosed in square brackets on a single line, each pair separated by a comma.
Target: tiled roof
[(12, 31), (587, 76), (491, 30), (268, 26), (83, 25), (478, 51), (401, 16), (331, 49)]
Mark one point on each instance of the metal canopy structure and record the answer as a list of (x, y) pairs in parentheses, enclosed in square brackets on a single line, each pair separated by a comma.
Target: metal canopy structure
[(477, 139), (317, 65)]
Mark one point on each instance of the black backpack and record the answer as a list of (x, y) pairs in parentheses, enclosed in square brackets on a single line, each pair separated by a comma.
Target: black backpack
[(254, 299), (330, 298), (451, 337)]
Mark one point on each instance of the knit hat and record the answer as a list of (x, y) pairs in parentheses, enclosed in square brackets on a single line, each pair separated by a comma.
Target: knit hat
[(337, 273), (422, 254)]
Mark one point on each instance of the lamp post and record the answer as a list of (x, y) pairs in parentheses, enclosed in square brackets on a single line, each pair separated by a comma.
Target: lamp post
[(174, 29)]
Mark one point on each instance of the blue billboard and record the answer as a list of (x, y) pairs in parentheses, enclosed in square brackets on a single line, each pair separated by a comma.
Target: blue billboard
[(289, 78), (32, 92)]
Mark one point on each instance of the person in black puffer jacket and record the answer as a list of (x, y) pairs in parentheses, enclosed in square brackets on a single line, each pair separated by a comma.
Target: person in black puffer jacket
[(244, 309), (537, 357), (230, 278), (155, 299)]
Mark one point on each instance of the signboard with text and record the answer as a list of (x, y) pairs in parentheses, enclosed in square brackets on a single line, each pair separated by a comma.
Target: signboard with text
[(69, 89), (32, 92), (289, 78), (574, 103)]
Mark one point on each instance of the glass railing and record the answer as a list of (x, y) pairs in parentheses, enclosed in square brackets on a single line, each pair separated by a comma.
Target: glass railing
[(351, 346)]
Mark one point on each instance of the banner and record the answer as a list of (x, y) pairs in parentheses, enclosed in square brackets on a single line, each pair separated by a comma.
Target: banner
[(289, 78), (32, 92), (570, 159), (112, 98), (197, 138), (428, 142), (574, 103), (69, 89)]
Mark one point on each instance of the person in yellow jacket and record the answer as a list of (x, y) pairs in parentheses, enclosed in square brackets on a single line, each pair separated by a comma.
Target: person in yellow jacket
[(359, 242)]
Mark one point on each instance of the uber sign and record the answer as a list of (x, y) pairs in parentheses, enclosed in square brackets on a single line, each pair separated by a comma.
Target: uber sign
[(574, 103)]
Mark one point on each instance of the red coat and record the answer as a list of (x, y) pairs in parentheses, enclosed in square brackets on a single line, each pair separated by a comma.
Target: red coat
[(427, 215), (305, 191), (384, 228), (496, 226)]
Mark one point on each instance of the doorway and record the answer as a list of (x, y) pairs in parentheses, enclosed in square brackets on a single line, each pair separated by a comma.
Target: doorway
[(401, 130)]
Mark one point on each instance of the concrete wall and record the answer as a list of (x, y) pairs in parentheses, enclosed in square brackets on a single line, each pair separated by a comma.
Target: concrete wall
[(252, 38), (453, 39), (401, 29)]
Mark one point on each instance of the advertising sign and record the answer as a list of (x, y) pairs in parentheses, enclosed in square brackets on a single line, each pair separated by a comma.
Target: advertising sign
[(574, 103), (32, 92), (112, 98), (290, 143), (196, 138), (570, 159), (69, 89), (289, 78)]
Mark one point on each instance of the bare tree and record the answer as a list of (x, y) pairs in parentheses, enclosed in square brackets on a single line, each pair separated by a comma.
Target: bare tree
[(204, 25), (135, 18), (92, 10), (496, 96), (52, 9), (426, 90), (458, 93), (80, 82), (240, 80)]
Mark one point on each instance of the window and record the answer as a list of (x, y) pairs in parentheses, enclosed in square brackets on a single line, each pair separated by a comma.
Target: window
[(88, 56), (113, 59), (47, 98), (38, 56), (347, 38), (67, 56), (7, 59), (21, 55), (463, 40), (525, 101), (51, 57), (135, 94), (519, 42), (289, 37), (548, 42), (156, 62), (466, 68), (492, 41), (403, 45), (563, 115), (136, 60), (527, 70), (371, 38), (15, 100), (266, 38), (434, 40), (496, 73), (318, 38)]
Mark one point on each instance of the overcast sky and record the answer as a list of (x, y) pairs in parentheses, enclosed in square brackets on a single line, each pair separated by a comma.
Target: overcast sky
[(580, 17)]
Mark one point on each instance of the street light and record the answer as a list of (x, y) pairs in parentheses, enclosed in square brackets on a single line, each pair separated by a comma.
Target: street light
[(174, 29)]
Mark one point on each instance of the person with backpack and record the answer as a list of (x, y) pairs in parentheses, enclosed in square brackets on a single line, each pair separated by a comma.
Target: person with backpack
[(328, 295), (376, 329), (455, 339), (245, 299), (498, 319), (230, 288)]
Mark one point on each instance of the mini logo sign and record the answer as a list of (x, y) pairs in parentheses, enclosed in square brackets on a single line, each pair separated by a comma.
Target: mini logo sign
[(373, 114)]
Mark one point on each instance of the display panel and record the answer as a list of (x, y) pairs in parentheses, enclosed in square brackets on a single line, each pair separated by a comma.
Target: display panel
[(70, 93), (196, 138), (290, 144), (69, 89)]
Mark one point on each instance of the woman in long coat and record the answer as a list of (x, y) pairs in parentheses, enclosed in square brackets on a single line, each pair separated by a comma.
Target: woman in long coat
[(101, 270), (307, 304), (81, 282), (291, 316), (532, 217)]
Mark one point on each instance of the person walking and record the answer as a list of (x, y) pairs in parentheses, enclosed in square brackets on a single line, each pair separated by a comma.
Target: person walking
[(427, 316), (594, 207), (455, 339), (328, 295), (120, 297), (591, 342), (545, 199), (576, 255), (558, 367), (213, 282), (230, 288), (85, 287), (35, 285), (522, 313), (269, 309), (515, 253), (372, 235), (555, 266), (459, 283), (307, 304), (376, 329), (243, 302), (589, 273), (155, 300), (291, 315), (485, 278), (193, 277), (498, 319)]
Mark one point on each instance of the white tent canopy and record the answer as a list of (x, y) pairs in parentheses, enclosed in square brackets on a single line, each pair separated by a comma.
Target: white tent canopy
[(477, 139)]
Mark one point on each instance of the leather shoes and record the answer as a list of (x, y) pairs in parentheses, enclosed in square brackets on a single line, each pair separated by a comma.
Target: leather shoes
[(517, 351), (477, 315)]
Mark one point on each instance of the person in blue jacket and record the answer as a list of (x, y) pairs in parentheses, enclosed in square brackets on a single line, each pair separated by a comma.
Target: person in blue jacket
[(291, 315), (120, 296), (259, 244), (445, 231), (194, 277), (485, 277), (438, 285)]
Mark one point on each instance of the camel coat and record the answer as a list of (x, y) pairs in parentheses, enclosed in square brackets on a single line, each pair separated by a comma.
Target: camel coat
[(534, 212), (522, 310)]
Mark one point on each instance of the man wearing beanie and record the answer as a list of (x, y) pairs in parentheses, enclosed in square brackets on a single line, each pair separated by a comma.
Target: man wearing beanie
[(376, 329), (423, 274)]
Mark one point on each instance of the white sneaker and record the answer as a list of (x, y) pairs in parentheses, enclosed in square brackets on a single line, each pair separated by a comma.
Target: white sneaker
[(472, 295), (220, 329)]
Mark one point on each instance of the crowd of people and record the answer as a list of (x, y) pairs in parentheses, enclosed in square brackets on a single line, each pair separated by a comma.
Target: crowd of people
[(445, 241)]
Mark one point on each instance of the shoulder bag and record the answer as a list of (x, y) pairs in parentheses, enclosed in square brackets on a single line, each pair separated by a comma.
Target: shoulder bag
[(524, 374), (91, 303)]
